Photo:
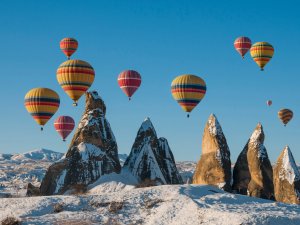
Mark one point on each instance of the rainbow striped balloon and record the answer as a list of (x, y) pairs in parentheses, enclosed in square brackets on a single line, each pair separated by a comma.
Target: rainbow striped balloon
[(188, 90), (285, 115), (42, 104), (242, 45), (129, 81), (75, 77), (68, 46), (262, 53)]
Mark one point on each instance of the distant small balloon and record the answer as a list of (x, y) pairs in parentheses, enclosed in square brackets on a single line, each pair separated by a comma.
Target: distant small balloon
[(242, 45), (285, 115), (269, 102), (129, 81), (68, 46)]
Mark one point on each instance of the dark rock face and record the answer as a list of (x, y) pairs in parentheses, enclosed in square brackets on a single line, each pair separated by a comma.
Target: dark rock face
[(252, 174), (214, 166), (93, 152), (151, 158), (286, 178), (32, 190)]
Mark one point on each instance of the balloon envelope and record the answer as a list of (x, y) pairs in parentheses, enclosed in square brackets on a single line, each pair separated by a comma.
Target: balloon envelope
[(269, 102), (242, 45), (129, 81), (68, 46), (64, 125), (262, 53), (42, 104), (75, 77), (188, 90), (285, 115)]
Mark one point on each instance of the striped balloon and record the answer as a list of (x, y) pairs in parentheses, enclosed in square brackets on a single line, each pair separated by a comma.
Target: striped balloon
[(285, 115), (269, 102), (262, 52), (75, 77), (64, 125), (42, 104), (242, 45), (68, 46), (188, 90), (129, 81)]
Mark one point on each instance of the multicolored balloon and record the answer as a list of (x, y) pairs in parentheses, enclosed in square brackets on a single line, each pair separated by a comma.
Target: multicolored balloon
[(188, 90), (285, 115), (64, 125), (262, 53), (68, 46), (75, 77), (42, 104), (242, 45), (129, 81), (269, 102)]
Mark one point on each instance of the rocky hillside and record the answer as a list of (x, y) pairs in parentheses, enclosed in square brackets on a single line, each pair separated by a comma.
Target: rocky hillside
[(93, 152), (151, 157)]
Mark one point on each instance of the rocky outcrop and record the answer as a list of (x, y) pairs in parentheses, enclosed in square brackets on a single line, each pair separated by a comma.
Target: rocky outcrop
[(32, 190), (93, 152), (151, 158), (214, 166), (252, 173), (286, 178)]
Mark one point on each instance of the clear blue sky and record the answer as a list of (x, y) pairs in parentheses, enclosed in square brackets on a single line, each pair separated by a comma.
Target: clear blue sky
[(161, 40)]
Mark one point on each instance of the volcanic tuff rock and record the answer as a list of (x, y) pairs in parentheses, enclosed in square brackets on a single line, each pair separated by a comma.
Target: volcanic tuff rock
[(93, 152), (151, 157), (252, 173), (214, 166), (286, 178)]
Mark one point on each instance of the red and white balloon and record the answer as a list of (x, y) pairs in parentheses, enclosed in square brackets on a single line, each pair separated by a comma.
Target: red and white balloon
[(129, 81), (64, 125)]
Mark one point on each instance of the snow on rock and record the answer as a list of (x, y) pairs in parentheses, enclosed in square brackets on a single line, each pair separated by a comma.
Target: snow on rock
[(252, 173), (93, 152), (160, 205), (151, 157), (286, 178), (214, 166)]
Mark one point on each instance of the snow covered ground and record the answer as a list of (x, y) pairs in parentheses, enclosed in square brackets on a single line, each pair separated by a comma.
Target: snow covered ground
[(165, 205)]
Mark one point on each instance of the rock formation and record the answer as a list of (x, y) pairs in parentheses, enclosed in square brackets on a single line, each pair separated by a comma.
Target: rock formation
[(32, 190), (151, 157), (286, 178), (252, 173), (93, 152), (214, 166)]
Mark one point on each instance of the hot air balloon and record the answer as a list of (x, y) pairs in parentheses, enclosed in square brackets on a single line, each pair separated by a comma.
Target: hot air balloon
[(42, 103), (242, 45), (285, 115), (188, 90), (261, 53), (269, 102), (68, 46), (64, 125), (75, 77), (129, 81)]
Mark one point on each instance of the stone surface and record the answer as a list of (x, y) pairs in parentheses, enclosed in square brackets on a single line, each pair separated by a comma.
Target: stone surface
[(214, 166), (93, 152), (286, 178), (252, 173), (151, 158)]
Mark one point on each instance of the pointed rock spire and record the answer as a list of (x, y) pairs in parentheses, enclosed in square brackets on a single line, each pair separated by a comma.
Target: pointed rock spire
[(286, 178), (252, 173), (93, 152), (151, 158), (214, 166)]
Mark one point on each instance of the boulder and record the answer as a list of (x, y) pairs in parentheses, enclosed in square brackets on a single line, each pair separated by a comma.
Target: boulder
[(151, 158), (93, 152), (286, 178), (214, 166)]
